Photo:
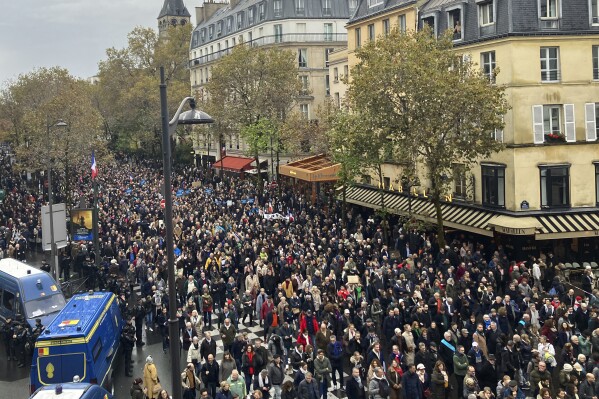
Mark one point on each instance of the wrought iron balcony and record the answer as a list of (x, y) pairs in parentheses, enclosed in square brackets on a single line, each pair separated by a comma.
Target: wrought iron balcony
[(275, 39)]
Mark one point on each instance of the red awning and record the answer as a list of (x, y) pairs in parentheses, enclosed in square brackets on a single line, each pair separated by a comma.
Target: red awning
[(234, 164)]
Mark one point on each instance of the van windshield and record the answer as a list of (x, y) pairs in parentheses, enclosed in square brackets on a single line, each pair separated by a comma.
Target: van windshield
[(44, 306)]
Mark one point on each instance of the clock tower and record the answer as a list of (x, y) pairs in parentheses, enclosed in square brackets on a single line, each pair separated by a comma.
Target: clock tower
[(173, 13)]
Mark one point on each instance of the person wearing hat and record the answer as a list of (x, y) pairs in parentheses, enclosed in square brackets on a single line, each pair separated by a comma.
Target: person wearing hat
[(137, 390), (565, 376), (151, 378), (514, 391)]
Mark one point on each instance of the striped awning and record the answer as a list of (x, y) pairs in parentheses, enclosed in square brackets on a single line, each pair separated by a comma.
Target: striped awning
[(568, 225), (464, 217), (454, 215)]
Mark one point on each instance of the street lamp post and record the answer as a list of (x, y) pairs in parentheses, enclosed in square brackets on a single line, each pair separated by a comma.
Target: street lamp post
[(53, 252), (192, 117)]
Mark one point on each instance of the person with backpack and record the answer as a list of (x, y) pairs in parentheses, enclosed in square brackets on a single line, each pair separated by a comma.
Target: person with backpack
[(378, 388)]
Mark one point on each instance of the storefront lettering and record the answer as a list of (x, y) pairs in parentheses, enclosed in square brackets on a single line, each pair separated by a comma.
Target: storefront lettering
[(514, 231), (414, 192), (596, 232)]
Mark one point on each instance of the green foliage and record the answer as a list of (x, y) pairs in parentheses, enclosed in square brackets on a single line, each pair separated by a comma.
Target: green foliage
[(250, 84), (428, 102)]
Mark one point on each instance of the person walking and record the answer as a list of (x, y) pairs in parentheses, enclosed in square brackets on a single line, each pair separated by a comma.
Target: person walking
[(190, 382), (151, 379), (193, 354), (322, 372), (209, 375), (276, 374)]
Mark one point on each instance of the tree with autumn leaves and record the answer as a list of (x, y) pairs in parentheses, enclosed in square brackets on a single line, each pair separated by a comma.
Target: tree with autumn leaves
[(414, 96), (251, 91)]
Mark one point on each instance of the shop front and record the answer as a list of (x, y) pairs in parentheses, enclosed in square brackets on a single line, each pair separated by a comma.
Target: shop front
[(314, 177)]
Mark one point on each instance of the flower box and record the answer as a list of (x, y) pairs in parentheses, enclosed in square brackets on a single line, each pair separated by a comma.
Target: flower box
[(554, 138)]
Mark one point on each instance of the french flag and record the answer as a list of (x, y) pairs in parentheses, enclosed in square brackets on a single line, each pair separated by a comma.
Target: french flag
[(94, 168)]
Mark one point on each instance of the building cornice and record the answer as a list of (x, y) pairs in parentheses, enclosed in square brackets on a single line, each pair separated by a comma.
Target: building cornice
[(379, 13)]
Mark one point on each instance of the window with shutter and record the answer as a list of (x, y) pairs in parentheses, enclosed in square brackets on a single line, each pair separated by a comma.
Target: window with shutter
[(590, 111), (570, 124), (537, 124)]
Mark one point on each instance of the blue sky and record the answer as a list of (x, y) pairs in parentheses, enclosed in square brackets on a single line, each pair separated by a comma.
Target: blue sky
[(73, 34)]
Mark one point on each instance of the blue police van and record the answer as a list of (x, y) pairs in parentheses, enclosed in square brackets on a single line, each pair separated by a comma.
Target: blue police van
[(83, 340), (71, 391), (28, 292)]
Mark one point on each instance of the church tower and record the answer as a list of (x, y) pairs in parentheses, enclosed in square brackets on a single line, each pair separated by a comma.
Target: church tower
[(173, 13)]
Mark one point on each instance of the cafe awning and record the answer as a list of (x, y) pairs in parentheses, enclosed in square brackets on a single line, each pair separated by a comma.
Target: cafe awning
[(234, 164), (568, 225), (544, 226), (318, 168), (455, 215), (517, 226)]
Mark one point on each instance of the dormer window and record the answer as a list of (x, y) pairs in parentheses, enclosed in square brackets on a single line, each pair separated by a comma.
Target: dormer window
[(251, 16), (431, 23), (203, 34), (229, 24), (548, 8), (549, 14), (326, 8), (239, 20), (262, 11), (211, 31), (219, 28), (595, 12), (454, 22), (373, 3), (278, 8), (300, 7)]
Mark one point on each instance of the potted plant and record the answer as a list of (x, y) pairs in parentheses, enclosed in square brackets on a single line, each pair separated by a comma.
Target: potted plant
[(555, 138)]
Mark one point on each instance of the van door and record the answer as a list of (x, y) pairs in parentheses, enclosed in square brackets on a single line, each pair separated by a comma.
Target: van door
[(60, 368)]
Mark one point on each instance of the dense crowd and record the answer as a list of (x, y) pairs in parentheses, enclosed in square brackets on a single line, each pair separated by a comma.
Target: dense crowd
[(403, 316)]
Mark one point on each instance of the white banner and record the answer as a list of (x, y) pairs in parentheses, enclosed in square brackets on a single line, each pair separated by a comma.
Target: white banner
[(276, 216)]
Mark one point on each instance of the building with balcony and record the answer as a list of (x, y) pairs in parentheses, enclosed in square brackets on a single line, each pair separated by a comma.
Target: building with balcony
[(542, 192), (369, 19), (311, 29)]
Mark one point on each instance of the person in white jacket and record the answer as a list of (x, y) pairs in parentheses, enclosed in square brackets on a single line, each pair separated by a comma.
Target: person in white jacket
[(193, 354), (536, 274)]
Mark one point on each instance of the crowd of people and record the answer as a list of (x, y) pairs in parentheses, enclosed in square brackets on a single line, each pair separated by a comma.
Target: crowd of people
[(402, 316)]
